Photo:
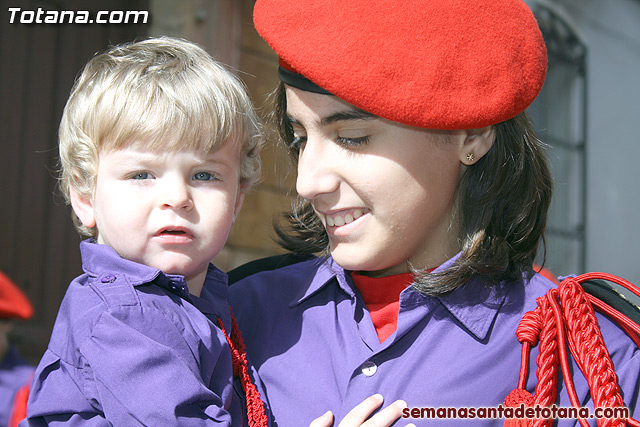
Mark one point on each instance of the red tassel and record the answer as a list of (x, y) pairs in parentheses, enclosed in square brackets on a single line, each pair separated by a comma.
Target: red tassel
[(514, 399)]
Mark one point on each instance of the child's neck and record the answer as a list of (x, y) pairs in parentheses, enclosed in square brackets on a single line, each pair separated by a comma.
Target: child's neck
[(196, 283)]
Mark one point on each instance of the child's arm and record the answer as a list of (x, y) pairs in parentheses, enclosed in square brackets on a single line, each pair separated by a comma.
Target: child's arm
[(137, 368)]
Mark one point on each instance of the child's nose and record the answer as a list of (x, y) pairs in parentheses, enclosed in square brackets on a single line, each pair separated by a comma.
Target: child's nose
[(176, 194)]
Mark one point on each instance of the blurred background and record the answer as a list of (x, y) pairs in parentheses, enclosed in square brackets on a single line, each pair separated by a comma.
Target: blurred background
[(588, 113)]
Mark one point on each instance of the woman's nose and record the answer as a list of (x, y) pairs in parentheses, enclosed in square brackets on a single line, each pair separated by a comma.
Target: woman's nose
[(317, 173)]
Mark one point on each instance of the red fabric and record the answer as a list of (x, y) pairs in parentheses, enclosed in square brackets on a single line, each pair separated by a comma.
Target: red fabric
[(13, 302), (382, 298), (546, 273), (19, 408), (447, 64)]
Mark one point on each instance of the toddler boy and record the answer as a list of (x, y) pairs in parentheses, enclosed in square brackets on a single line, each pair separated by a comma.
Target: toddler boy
[(158, 146)]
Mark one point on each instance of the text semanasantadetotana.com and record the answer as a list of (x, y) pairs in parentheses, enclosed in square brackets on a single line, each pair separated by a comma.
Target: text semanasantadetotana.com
[(522, 411), (42, 16)]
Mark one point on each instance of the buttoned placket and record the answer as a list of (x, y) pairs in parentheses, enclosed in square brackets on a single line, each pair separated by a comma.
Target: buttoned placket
[(414, 307)]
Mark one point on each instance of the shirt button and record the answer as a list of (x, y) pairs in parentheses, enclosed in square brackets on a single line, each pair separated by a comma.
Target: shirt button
[(369, 368), (108, 279)]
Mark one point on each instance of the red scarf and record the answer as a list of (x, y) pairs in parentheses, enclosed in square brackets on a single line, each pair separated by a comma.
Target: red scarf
[(382, 298)]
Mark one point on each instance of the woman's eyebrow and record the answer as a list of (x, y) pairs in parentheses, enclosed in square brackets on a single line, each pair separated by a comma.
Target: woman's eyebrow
[(340, 116), (355, 114)]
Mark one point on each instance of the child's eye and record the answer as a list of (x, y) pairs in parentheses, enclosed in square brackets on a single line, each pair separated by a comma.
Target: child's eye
[(204, 176), (141, 175), (353, 142)]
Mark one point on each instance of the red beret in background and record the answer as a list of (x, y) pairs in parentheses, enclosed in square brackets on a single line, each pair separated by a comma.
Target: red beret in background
[(441, 64), (13, 302)]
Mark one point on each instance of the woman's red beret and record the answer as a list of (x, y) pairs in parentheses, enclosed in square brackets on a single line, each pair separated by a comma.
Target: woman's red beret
[(442, 64)]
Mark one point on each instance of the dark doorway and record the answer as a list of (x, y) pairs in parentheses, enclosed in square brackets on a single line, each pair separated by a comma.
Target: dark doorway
[(38, 64)]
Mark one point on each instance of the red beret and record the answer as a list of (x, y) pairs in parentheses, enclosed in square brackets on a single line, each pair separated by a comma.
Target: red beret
[(13, 303), (441, 64)]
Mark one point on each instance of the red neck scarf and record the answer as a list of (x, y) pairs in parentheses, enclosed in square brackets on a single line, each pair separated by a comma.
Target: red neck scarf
[(382, 298)]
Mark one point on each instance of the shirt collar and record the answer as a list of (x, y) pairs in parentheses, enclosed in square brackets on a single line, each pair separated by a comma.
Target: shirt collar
[(325, 273), (214, 295), (102, 261), (474, 305), (99, 260)]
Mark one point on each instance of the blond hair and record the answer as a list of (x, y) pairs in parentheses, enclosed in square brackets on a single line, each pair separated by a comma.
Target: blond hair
[(164, 91)]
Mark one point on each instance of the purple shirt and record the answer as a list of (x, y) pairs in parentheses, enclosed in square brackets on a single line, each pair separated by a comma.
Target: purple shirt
[(15, 372), (131, 346), (311, 338)]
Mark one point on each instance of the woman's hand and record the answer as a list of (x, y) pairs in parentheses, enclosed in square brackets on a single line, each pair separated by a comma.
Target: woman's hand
[(359, 416)]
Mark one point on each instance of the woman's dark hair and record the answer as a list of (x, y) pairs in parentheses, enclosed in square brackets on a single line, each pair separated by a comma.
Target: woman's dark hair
[(503, 201)]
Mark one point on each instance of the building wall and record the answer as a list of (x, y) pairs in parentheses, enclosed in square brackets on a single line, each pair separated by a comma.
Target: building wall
[(611, 32)]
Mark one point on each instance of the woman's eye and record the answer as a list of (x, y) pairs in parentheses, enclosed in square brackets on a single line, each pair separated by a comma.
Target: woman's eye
[(353, 142), (141, 175), (297, 142), (204, 176)]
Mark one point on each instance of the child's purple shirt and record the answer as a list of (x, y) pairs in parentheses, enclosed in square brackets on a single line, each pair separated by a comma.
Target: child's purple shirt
[(131, 346)]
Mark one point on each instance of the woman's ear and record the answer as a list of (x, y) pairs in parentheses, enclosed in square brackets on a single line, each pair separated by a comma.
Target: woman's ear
[(476, 144), (83, 207)]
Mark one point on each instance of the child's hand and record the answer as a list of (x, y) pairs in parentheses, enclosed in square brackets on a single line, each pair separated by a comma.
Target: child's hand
[(359, 416)]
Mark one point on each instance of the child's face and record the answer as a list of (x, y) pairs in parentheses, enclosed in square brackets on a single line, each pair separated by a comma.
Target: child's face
[(171, 211), (394, 184)]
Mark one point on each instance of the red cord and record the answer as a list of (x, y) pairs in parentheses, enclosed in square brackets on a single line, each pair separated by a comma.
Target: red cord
[(566, 315), (562, 351), (255, 408), (629, 326)]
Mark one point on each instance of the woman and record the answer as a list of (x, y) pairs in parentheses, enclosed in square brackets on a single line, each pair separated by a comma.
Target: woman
[(425, 192)]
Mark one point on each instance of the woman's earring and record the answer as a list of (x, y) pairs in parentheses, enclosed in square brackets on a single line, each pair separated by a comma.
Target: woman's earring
[(470, 157)]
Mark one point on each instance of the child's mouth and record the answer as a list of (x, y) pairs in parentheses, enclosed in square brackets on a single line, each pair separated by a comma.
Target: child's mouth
[(178, 235)]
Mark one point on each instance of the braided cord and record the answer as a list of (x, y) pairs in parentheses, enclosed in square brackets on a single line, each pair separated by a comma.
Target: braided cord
[(589, 350), (255, 408), (547, 361), (566, 315)]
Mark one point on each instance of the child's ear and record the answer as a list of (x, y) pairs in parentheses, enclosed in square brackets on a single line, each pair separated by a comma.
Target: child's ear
[(476, 144), (83, 207)]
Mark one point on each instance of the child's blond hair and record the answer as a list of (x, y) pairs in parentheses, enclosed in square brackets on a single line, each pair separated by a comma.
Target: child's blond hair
[(166, 92)]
